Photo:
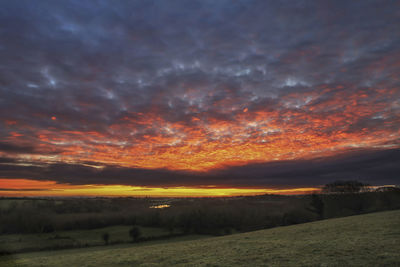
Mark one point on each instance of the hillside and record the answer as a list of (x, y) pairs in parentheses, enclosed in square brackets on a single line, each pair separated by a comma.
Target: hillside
[(363, 240)]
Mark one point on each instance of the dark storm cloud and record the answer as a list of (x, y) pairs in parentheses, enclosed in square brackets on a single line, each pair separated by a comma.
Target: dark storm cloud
[(377, 167)]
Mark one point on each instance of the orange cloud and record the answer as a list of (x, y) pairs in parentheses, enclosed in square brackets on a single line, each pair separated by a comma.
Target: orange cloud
[(307, 124)]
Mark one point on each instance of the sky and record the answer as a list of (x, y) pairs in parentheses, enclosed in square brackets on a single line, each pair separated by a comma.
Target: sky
[(197, 98)]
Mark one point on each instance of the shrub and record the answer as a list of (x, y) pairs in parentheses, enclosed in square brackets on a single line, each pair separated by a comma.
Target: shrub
[(135, 233), (106, 237)]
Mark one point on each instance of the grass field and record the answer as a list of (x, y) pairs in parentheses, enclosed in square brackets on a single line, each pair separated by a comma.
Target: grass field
[(363, 240), (76, 238)]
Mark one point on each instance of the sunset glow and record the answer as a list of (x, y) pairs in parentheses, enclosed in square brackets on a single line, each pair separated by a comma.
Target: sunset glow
[(253, 136), (22, 187)]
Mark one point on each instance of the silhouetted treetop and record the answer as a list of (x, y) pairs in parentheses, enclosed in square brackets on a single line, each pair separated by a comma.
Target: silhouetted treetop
[(345, 187)]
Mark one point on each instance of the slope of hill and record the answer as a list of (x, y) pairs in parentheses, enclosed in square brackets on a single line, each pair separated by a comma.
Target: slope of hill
[(363, 240)]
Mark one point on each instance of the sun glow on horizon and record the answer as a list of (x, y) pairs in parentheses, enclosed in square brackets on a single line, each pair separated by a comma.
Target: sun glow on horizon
[(25, 187)]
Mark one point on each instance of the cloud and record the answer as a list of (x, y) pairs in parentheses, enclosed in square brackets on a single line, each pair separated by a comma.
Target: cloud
[(10, 148), (153, 85), (22, 189), (377, 167)]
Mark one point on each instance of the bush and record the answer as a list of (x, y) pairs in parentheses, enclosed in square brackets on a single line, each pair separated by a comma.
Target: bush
[(135, 233), (106, 237)]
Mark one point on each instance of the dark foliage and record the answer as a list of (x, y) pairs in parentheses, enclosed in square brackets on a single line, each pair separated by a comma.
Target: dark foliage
[(135, 233), (106, 237), (345, 187), (317, 205)]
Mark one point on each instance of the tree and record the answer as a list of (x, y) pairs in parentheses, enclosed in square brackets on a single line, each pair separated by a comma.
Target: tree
[(317, 205), (171, 225), (47, 228), (134, 233), (106, 237), (345, 187)]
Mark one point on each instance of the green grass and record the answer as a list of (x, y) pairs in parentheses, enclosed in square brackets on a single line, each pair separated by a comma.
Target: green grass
[(364, 240), (7, 203), (77, 238)]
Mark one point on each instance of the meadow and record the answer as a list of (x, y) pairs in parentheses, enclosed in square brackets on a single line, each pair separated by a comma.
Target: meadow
[(362, 240), (77, 238)]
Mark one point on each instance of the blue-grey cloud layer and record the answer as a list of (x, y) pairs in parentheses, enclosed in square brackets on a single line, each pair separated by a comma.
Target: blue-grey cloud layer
[(119, 55)]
